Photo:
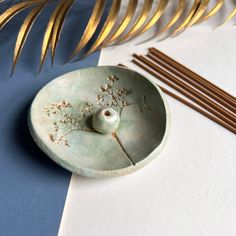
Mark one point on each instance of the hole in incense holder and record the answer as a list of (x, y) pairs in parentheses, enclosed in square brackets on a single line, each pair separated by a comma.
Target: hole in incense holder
[(107, 113), (106, 120)]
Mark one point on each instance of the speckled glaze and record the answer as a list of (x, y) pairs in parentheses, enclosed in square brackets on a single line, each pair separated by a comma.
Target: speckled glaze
[(61, 121), (106, 120)]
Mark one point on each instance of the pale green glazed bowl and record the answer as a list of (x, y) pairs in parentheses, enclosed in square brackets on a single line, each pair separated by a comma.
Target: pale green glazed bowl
[(60, 121)]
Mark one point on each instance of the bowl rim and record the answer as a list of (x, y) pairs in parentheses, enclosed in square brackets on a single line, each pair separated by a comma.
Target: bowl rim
[(89, 172)]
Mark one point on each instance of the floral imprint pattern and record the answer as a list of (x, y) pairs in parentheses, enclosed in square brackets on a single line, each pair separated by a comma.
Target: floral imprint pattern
[(67, 118)]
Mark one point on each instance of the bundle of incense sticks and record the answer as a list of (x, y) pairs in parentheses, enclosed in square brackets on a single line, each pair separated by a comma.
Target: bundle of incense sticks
[(203, 96)]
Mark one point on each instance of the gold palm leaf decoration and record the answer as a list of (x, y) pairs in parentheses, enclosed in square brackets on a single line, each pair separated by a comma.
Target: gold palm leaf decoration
[(156, 16), (139, 22), (58, 24), (213, 11), (123, 24), (189, 17), (108, 25), (229, 17), (117, 28), (91, 27), (25, 29), (177, 14), (49, 32), (200, 12)]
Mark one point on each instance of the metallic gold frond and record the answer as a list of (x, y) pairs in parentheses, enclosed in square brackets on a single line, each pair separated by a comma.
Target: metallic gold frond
[(138, 18), (189, 17), (25, 29), (229, 17), (139, 22), (199, 13), (123, 24), (156, 16), (177, 14), (48, 33), (58, 24), (12, 11), (107, 27), (219, 4), (91, 27)]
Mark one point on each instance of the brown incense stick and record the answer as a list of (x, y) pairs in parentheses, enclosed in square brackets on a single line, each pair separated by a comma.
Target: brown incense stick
[(187, 94), (198, 86), (192, 106), (199, 79), (193, 93)]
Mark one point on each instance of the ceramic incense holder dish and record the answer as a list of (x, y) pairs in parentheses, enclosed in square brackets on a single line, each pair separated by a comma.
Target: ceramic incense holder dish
[(101, 121)]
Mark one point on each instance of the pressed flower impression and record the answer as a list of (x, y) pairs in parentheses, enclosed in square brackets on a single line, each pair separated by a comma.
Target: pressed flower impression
[(103, 121)]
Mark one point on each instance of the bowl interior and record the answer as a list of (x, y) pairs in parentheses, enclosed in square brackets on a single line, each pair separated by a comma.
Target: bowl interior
[(60, 119)]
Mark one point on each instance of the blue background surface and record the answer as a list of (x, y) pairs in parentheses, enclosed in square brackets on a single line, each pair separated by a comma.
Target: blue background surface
[(32, 188)]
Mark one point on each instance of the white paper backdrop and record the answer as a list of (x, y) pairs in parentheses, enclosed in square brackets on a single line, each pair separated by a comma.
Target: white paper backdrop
[(191, 188)]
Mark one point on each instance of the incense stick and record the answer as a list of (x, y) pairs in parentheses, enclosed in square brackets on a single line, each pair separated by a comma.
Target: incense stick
[(186, 94), (190, 92), (198, 86), (191, 105), (199, 79)]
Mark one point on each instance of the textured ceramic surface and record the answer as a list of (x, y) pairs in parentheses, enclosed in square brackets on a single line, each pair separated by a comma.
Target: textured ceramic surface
[(106, 120), (60, 121)]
